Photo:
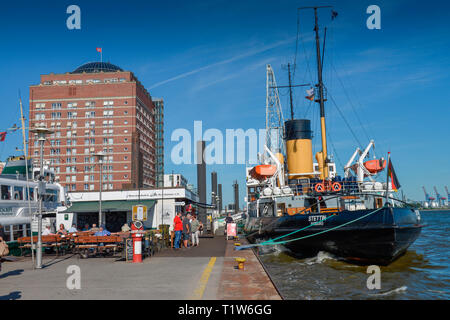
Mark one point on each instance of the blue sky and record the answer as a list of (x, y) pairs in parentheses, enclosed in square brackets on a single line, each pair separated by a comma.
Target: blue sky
[(207, 60)]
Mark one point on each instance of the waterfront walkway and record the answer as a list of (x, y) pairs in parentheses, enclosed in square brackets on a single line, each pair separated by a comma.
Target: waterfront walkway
[(204, 272)]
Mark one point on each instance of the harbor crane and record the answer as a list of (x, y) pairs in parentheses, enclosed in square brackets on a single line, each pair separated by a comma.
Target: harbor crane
[(448, 194), (439, 198), (428, 199)]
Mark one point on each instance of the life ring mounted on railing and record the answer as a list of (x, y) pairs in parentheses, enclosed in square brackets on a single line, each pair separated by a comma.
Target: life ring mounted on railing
[(336, 187), (319, 187)]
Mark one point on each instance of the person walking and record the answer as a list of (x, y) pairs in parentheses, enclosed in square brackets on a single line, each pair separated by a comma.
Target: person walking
[(228, 219), (186, 229), (178, 228), (172, 235), (195, 225)]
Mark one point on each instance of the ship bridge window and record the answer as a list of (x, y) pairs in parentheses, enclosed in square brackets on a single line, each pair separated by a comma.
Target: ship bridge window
[(18, 193), (6, 192), (31, 193), (51, 195)]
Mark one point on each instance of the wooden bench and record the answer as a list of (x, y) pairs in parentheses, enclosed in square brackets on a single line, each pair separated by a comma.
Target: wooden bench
[(49, 241), (84, 244)]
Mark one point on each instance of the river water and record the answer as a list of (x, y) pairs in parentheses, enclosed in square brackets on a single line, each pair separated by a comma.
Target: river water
[(422, 273)]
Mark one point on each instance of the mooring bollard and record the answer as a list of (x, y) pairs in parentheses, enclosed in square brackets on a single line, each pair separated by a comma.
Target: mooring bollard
[(240, 262)]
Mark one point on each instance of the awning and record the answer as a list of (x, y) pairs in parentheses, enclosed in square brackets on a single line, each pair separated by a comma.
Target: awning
[(110, 205)]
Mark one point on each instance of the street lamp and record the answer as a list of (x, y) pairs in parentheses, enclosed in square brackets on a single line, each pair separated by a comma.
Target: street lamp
[(41, 133), (100, 155)]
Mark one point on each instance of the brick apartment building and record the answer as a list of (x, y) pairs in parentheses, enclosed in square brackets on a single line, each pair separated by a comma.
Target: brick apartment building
[(97, 108)]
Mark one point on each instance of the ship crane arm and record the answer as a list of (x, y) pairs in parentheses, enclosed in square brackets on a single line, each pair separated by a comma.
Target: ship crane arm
[(349, 163), (361, 169)]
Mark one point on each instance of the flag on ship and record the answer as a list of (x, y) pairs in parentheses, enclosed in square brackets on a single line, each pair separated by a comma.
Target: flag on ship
[(391, 174), (310, 94)]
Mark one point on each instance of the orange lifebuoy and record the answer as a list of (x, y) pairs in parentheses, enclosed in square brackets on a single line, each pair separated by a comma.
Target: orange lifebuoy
[(336, 187), (319, 187)]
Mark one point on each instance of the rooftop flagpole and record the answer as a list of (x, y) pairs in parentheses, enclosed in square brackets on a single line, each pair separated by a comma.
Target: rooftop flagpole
[(101, 54)]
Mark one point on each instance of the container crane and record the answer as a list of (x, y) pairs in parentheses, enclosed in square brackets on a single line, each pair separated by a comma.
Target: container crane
[(428, 200), (439, 198), (448, 194)]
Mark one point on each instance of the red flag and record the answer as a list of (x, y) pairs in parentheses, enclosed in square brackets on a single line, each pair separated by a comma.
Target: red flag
[(99, 49), (2, 136)]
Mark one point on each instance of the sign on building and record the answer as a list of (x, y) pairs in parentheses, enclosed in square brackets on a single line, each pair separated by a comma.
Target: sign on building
[(139, 213)]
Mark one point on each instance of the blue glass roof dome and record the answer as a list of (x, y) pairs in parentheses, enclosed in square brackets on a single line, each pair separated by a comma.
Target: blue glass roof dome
[(93, 67)]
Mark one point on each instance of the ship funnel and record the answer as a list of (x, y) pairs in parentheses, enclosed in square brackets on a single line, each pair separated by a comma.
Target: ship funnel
[(299, 148)]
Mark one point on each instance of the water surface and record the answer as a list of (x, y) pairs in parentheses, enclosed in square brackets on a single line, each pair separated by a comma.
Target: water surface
[(422, 273)]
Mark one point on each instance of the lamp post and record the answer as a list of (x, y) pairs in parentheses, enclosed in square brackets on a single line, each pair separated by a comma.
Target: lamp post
[(41, 133), (100, 155)]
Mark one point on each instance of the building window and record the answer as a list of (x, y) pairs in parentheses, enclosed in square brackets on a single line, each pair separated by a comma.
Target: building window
[(56, 105), (108, 113)]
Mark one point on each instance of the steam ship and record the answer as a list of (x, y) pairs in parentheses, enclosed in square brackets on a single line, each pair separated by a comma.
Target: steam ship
[(307, 207)]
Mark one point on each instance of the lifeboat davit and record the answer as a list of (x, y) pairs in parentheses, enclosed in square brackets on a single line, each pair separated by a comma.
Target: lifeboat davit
[(375, 166)]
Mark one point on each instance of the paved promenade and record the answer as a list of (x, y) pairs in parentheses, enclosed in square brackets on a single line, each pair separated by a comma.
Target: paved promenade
[(204, 272)]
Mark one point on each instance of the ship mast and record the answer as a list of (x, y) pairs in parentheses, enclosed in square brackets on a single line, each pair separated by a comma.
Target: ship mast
[(322, 156), (25, 153)]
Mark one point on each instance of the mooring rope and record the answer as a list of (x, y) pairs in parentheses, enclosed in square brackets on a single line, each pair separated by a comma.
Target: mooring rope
[(271, 242)]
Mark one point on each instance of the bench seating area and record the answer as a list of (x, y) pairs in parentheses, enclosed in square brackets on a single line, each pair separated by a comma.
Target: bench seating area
[(83, 243)]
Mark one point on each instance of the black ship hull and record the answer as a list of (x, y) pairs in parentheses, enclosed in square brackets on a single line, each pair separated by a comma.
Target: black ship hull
[(378, 238)]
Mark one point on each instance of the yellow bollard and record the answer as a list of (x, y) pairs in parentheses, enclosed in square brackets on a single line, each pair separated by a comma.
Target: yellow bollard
[(240, 262)]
